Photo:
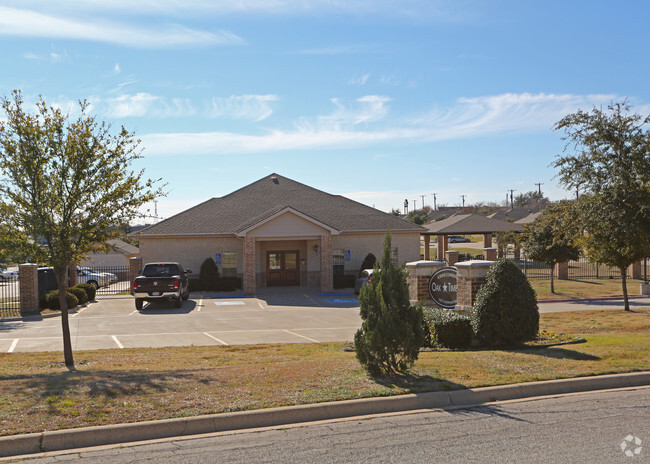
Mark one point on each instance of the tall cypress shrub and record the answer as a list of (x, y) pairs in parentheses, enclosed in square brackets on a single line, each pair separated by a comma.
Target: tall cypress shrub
[(391, 333), (209, 275)]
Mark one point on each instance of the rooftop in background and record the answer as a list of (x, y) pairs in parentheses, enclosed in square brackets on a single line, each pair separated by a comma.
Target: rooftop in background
[(464, 224)]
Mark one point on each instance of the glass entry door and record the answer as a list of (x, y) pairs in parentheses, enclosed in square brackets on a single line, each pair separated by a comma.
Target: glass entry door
[(282, 268)]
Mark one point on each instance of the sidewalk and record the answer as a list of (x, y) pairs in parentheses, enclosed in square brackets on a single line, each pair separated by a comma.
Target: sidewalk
[(183, 427), (591, 304)]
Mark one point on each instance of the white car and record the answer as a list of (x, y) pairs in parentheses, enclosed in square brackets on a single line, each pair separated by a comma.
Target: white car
[(8, 275), (97, 279), (110, 276)]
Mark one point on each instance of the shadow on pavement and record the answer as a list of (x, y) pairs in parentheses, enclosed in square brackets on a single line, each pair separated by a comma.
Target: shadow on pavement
[(167, 307)]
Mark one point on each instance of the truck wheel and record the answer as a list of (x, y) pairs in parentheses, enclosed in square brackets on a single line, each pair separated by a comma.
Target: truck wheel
[(138, 304), (178, 302), (186, 295)]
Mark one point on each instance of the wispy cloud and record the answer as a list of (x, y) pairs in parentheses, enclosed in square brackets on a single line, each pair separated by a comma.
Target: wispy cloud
[(469, 117), (26, 23), (252, 107), (52, 57), (359, 79)]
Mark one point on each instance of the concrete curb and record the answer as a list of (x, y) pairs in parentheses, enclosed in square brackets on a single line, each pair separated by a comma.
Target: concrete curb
[(150, 430)]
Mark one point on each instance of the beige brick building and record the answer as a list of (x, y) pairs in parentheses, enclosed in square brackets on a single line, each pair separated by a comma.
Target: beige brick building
[(277, 231)]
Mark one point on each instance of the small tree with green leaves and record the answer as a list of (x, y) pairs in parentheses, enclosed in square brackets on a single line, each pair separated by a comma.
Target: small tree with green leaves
[(392, 332), (66, 187), (607, 158), (369, 262), (551, 239)]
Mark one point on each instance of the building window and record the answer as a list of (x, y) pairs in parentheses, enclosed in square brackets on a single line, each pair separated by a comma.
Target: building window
[(338, 262), (229, 264), (393, 256)]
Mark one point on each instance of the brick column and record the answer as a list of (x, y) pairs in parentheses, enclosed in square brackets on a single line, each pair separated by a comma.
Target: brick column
[(72, 275), (418, 276), (490, 254), (636, 270), (442, 247), (427, 244), (249, 266), (28, 278), (487, 241), (471, 275), (562, 270), (135, 266), (326, 271), (451, 257)]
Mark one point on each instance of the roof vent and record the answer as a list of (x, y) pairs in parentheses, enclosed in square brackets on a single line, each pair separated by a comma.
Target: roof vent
[(275, 180)]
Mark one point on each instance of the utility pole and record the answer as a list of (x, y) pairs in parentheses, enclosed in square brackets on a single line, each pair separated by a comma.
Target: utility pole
[(512, 203), (415, 205), (422, 196), (435, 208), (463, 197), (539, 189)]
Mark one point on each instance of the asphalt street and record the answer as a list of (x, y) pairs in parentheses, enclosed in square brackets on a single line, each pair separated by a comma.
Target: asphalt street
[(597, 427), (297, 315)]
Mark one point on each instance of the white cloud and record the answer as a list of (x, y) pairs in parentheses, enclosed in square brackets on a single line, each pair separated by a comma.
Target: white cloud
[(26, 23), (52, 57), (359, 79), (253, 107), (469, 117), (117, 69)]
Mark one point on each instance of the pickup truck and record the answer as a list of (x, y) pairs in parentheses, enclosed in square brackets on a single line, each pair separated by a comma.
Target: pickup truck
[(161, 281)]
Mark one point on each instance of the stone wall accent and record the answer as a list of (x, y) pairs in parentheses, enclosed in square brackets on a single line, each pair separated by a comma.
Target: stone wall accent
[(562, 271), (249, 266), (28, 289), (326, 272), (418, 276), (451, 257), (471, 275)]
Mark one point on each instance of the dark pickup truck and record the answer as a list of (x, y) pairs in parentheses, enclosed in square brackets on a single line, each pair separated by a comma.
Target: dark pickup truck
[(161, 281)]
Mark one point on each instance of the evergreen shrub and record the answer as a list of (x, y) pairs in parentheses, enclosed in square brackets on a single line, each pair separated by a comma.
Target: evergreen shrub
[(446, 328), (51, 301), (80, 293), (368, 263), (90, 290), (209, 275), (505, 311)]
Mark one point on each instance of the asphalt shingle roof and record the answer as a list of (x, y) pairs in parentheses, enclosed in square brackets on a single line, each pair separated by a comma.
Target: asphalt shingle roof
[(461, 224), (269, 195)]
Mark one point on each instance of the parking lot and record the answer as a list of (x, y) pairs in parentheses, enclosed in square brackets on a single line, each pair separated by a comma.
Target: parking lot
[(295, 315)]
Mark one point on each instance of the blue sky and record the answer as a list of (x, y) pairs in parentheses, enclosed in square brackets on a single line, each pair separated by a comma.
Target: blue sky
[(377, 100)]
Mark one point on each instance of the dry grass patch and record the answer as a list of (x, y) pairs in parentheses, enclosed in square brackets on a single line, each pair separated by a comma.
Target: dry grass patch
[(598, 288), (111, 386)]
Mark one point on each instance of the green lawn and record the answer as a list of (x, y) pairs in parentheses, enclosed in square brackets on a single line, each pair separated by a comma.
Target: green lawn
[(110, 386)]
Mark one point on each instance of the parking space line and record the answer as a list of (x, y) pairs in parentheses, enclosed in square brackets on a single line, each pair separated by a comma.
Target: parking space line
[(199, 305), (132, 312), (117, 342), (298, 335), (13, 345), (79, 312), (214, 338)]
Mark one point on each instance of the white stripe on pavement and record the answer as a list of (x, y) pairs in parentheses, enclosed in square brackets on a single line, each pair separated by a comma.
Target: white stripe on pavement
[(13, 345), (119, 345), (298, 335), (214, 338)]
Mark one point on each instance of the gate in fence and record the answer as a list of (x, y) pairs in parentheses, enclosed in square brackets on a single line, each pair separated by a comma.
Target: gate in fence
[(110, 281), (9, 295)]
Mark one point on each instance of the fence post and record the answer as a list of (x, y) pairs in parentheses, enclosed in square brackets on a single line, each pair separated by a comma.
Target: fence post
[(135, 265), (28, 278), (452, 257), (471, 275), (419, 273), (490, 254), (635, 270)]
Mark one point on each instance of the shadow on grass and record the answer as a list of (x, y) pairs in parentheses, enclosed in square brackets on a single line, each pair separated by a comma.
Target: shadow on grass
[(556, 353), (416, 383), (108, 384)]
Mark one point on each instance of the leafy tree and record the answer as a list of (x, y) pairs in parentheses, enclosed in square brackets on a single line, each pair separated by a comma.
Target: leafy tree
[(532, 198), (607, 156), (209, 275), (395, 212), (65, 188), (549, 239), (418, 216), (392, 332)]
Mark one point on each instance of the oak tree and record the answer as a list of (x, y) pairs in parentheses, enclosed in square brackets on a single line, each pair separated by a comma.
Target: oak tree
[(66, 187)]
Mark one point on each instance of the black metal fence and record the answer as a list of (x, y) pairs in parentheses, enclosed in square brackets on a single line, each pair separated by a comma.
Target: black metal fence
[(111, 281), (9, 296)]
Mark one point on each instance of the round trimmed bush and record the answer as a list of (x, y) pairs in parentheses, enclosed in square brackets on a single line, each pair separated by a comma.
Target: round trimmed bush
[(51, 301), (90, 290), (505, 311), (80, 293)]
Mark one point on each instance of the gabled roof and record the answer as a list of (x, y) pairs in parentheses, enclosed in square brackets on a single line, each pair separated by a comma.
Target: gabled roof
[(470, 224), (529, 219), (514, 214), (252, 204), (122, 247)]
